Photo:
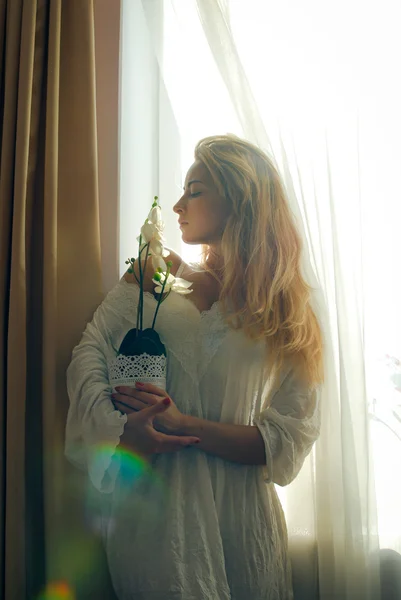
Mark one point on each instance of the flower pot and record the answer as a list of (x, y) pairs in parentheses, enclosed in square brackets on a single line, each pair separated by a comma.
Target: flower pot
[(141, 357)]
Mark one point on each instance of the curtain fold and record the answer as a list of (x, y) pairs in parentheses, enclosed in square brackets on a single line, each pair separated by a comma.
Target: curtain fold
[(50, 275), (331, 508), (341, 530)]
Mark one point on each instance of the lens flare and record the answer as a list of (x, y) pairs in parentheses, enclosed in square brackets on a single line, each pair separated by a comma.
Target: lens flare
[(136, 484), (138, 488), (122, 461), (131, 485), (58, 590)]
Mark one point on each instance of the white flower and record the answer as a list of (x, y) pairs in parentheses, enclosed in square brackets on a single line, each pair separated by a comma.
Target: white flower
[(155, 217), (152, 235), (173, 284), (158, 263)]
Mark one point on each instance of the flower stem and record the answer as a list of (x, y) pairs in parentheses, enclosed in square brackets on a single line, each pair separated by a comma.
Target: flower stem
[(144, 268), (161, 294), (139, 311), (139, 316)]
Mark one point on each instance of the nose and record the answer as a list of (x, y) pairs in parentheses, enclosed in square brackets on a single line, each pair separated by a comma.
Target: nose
[(177, 208)]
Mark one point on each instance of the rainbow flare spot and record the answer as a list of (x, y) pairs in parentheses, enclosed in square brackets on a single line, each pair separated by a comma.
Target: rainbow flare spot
[(130, 470), (139, 486), (58, 590), (131, 466)]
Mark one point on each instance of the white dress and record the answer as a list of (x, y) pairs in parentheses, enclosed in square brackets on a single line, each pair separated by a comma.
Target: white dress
[(197, 527)]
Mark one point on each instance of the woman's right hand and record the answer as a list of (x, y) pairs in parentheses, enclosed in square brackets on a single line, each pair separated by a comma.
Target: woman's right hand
[(141, 436)]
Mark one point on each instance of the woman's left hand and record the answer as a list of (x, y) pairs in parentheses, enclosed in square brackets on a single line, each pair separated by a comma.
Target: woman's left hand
[(129, 399)]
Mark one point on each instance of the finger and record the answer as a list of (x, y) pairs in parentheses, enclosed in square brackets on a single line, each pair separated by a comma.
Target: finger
[(147, 398), (116, 407), (126, 390), (139, 394), (172, 443), (154, 410), (130, 401), (152, 389), (183, 440), (123, 408)]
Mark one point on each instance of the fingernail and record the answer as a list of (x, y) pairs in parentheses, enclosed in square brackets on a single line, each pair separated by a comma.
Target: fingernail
[(166, 401), (140, 384), (197, 442)]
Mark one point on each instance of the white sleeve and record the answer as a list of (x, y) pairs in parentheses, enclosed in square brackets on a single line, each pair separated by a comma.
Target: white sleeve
[(289, 427), (94, 426)]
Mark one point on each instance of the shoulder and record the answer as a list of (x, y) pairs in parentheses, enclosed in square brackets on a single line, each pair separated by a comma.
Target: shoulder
[(175, 259), (148, 284)]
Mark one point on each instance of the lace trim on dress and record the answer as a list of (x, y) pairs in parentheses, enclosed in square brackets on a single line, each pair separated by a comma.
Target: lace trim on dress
[(211, 336)]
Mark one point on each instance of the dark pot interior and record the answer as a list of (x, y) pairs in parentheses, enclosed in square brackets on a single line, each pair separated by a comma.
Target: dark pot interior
[(135, 343)]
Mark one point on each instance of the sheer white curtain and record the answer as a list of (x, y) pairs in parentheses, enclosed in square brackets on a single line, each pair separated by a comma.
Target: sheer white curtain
[(150, 143), (314, 84)]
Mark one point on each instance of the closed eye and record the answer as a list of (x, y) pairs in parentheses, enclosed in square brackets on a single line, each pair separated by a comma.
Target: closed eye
[(195, 194)]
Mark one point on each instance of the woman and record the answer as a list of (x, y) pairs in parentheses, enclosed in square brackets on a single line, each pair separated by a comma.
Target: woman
[(241, 413)]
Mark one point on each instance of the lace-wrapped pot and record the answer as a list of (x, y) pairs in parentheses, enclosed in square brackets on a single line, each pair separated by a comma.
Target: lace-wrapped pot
[(141, 357)]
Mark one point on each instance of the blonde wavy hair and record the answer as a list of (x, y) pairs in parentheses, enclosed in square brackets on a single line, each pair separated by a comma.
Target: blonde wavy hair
[(261, 249)]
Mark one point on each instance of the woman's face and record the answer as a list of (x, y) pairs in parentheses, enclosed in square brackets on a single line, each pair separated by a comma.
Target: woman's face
[(202, 210)]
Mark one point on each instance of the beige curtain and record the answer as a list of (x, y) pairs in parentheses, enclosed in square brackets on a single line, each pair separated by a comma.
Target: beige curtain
[(50, 285)]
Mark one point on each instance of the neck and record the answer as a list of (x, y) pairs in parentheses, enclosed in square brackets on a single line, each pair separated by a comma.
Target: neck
[(215, 261)]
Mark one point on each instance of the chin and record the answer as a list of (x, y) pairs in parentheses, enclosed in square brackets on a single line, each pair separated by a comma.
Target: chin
[(187, 239), (191, 242)]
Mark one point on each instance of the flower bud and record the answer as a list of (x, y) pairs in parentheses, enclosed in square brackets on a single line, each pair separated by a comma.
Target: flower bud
[(130, 270), (157, 276), (169, 263)]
